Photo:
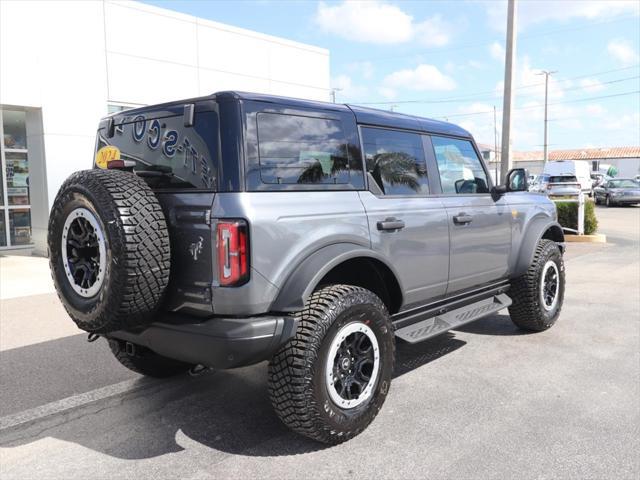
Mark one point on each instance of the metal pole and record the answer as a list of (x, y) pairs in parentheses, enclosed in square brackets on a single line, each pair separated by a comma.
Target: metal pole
[(333, 94), (495, 143), (510, 60), (546, 74)]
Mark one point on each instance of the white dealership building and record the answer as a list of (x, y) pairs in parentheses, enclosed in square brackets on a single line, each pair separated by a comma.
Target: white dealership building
[(63, 65)]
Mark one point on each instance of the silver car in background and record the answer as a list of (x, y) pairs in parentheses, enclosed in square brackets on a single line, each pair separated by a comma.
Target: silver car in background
[(618, 191)]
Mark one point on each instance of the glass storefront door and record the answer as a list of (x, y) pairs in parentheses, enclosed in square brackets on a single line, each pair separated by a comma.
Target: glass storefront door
[(15, 205)]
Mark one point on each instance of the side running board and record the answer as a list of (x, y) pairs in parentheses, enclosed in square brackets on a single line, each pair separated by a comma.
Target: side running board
[(447, 321)]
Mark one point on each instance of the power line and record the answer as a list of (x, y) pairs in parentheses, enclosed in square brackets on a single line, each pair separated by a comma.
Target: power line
[(528, 107), (476, 96)]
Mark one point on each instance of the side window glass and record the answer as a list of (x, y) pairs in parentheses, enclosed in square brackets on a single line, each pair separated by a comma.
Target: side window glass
[(395, 161), (294, 149), (460, 168)]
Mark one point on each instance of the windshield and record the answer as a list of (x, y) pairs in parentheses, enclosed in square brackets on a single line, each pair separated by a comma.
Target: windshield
[(623, 183), (562, 179)]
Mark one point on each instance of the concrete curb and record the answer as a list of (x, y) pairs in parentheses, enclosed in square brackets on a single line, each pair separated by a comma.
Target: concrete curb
[(595, 238)]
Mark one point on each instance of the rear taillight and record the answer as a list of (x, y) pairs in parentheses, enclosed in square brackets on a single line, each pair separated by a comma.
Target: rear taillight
[(232, 241)]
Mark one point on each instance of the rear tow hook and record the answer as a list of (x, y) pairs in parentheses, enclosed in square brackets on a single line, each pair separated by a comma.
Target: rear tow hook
[(92, 337), (198, 370)]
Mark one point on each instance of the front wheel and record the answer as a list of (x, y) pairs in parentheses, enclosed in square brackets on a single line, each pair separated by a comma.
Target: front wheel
[(538, 294), (608, 201), (330, 381)]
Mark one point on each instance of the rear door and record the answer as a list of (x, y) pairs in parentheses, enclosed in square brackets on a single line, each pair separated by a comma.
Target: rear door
[(479, 226), (407, 225)]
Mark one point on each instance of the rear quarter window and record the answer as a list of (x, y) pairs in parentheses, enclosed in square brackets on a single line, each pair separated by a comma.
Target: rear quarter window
[(295, 149)]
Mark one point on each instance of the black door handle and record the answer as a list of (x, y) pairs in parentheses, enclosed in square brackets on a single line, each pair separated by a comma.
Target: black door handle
[(462, 219), (390, 224)]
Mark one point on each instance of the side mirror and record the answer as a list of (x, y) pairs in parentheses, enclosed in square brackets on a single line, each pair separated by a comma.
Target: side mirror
[(517, 180), (497, 191)]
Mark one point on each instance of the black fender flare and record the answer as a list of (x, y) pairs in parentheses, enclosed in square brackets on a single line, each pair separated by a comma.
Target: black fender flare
[(535, 230), (307, 275)]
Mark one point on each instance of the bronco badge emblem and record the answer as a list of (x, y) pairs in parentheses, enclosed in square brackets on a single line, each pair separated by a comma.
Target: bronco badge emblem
[(196, 248)]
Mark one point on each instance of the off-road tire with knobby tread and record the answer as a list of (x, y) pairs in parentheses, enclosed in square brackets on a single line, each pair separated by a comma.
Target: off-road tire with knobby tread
[(297, 387), (136, 243), (146, 362), (527, 311)]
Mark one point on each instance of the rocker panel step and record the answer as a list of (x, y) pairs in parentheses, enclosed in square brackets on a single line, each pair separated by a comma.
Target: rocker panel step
[(443, 322)]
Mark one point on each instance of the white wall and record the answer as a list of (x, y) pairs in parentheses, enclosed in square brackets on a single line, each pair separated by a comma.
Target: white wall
[(72, 58)]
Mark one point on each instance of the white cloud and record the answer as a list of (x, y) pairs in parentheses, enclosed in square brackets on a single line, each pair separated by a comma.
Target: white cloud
[(348, 91), (388, 93), (622, 52), (594, 109), (433, 32), (365, 69), (497, 51), (591, 85), (423, 77), (381, 23), (540, 11)]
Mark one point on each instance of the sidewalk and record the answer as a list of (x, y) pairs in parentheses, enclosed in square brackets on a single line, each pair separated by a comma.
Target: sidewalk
[(30, 311)]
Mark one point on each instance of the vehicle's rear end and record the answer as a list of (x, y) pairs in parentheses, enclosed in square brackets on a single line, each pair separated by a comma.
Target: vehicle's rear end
[(136, 253), (563, 185)]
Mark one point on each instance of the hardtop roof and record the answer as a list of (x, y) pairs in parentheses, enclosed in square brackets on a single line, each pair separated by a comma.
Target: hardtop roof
[(363, 115)]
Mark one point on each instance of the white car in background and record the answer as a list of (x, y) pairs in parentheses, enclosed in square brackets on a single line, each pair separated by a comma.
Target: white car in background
[(563, 185), (578, 169)]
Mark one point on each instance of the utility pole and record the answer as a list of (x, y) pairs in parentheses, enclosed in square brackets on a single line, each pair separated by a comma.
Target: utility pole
[(333, 94), (495, 142), (510, 59), (393, 107), (546, 74)]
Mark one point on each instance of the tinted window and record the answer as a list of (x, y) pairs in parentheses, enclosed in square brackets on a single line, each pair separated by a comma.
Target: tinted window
[(460, 168), (562, 179), (171, 155), (395, 161), (297, 149)]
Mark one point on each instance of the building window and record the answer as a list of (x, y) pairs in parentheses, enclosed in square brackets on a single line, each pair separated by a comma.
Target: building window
[(15, 207)]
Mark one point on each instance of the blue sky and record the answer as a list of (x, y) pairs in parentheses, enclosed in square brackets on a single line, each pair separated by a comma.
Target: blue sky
[(445, 60)]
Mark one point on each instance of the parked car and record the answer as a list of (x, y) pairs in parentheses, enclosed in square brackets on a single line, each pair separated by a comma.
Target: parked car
[(618, 191), (540, 183), (563, 185), (579, 169), (234, 228)]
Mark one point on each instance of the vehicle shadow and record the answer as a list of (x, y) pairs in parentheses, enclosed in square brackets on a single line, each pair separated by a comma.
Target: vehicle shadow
[(223, 412), (495, 325)]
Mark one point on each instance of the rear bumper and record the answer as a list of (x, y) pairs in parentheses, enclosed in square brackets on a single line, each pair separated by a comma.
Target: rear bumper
[(217, 342)]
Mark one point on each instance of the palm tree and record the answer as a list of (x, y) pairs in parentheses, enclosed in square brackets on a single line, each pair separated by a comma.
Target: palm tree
[(395, 168), (392, 168)]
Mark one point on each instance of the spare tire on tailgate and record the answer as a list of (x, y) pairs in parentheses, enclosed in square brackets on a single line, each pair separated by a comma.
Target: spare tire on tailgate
[(108, 250)]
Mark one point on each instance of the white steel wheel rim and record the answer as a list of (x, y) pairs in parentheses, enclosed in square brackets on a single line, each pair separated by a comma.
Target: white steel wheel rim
[(549, 285), (97, 238), (332, 381)]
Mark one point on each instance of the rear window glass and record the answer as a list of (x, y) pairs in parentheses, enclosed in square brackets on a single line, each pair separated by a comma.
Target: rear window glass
[(295, 149), (166, 152), (562, 179)]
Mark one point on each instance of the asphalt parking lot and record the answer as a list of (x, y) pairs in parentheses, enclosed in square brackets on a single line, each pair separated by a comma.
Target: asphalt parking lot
[(485, 401)]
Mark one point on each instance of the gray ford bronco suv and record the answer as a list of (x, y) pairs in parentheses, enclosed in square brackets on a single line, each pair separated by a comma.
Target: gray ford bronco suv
[(235, 228)]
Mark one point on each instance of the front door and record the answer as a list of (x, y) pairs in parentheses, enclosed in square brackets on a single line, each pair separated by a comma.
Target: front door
[(479, 226), (407, 226)]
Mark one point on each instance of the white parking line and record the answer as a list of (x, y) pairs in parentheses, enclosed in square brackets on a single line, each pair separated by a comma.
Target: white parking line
[(74, 401)]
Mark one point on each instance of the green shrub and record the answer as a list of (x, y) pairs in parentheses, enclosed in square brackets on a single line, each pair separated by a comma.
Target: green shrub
[(568, 216)]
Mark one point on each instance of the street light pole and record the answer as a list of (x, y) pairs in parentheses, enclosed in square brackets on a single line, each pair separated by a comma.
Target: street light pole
[(510, 60), (546, 74), (495, 142)]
